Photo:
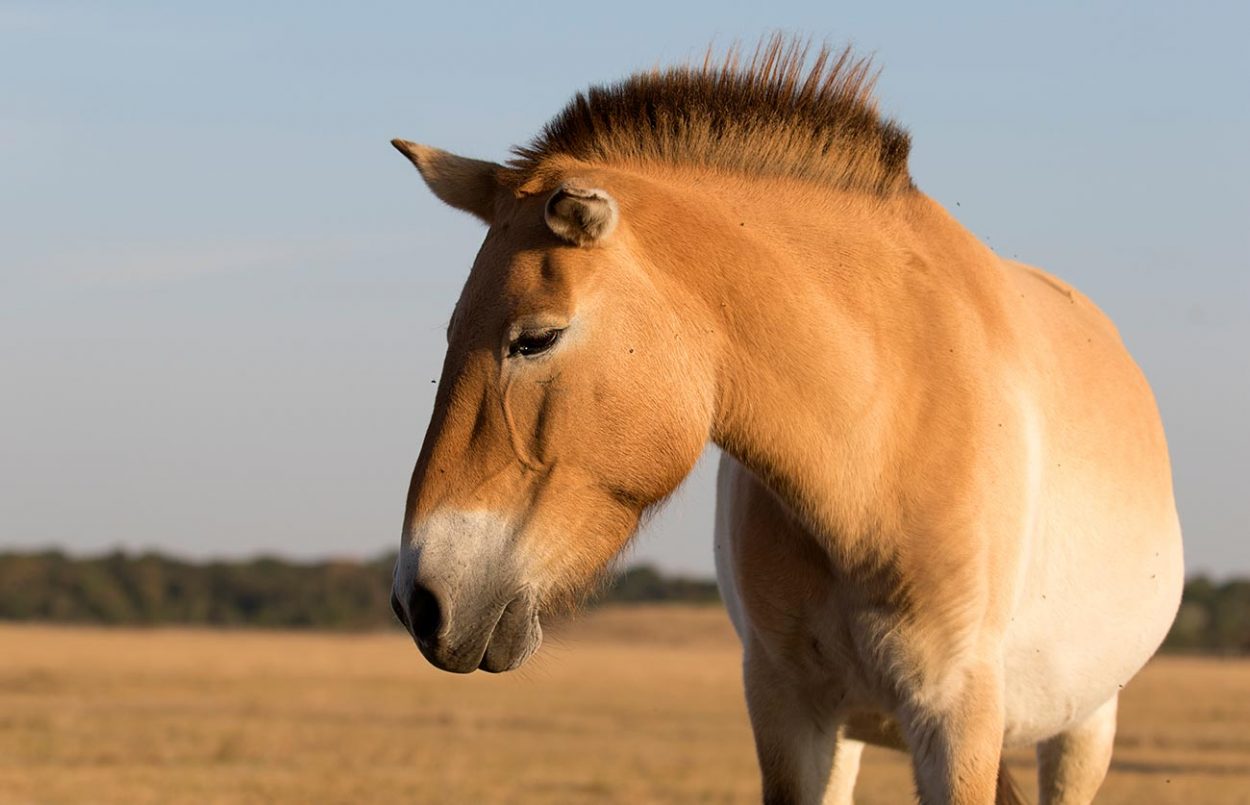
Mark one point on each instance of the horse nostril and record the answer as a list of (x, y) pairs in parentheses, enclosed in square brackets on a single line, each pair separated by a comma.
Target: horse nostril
[(398, 609), (425, 617)]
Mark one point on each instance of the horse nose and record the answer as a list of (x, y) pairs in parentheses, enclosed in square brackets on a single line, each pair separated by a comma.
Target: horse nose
[(398, 608), (423, 616)]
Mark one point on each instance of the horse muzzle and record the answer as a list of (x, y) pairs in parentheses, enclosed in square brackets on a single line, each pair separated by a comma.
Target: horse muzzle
[(495, 639), (459, 590)]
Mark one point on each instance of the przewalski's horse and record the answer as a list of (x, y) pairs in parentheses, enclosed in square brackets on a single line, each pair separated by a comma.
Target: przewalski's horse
[(945, 515)]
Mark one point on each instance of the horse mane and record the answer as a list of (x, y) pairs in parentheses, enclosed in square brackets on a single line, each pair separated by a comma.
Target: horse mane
[(773, 116)]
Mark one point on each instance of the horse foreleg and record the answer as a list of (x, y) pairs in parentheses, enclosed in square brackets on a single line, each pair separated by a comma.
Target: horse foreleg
[(956, 742), (844, 771), (1072, 765), (803, 754)]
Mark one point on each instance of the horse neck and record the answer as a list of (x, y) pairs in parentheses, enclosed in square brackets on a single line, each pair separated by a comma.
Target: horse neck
[(823, 302)]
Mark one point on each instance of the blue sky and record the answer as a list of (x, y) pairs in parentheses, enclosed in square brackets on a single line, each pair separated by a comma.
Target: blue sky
[(222, 294)]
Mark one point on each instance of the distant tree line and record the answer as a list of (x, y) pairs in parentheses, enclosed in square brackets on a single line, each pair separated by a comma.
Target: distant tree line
[(1213, 618), (152, 589)]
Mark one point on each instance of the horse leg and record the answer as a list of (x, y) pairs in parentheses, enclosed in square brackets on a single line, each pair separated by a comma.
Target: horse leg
[(844, 771), (957, 746), (803, 755), (1072, 765)]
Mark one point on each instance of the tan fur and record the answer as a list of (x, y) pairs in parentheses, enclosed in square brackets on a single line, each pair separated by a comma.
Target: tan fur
[(460, 182), (946, 503), (581, 215), (1072, 765)]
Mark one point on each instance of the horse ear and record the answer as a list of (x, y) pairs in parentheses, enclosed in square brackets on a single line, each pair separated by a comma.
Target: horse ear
[(466, 184), (581, 215)]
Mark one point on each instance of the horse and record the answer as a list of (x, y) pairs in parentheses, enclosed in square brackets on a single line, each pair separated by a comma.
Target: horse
[(945, 519)]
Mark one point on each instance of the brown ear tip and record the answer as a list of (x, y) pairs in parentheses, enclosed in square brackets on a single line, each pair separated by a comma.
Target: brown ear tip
[(408, 148)]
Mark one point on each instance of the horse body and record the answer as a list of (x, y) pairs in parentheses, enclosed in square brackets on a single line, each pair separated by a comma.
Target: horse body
[(1065, 499), (945, 518)]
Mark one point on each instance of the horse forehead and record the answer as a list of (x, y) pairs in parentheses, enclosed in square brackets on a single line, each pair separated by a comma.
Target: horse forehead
[(524, 280)]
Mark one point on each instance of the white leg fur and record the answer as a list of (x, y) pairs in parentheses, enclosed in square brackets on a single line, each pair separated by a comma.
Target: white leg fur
[(1072, 765), (801, 753), (956, 746), (846, 756)]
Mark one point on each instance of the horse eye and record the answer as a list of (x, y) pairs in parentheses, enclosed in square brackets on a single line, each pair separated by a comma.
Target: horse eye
[(527, 344)]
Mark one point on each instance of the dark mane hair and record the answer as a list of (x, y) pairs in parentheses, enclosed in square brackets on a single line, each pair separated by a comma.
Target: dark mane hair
[(773, 116)]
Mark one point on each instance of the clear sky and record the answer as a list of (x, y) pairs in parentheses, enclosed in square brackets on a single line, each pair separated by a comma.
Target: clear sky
[(222, 294)]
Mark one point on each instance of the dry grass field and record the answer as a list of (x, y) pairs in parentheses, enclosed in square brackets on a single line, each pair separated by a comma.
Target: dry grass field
[(631, 705)]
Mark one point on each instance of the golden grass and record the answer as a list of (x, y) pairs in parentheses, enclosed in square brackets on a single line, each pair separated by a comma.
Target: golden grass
[(639, 705)]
